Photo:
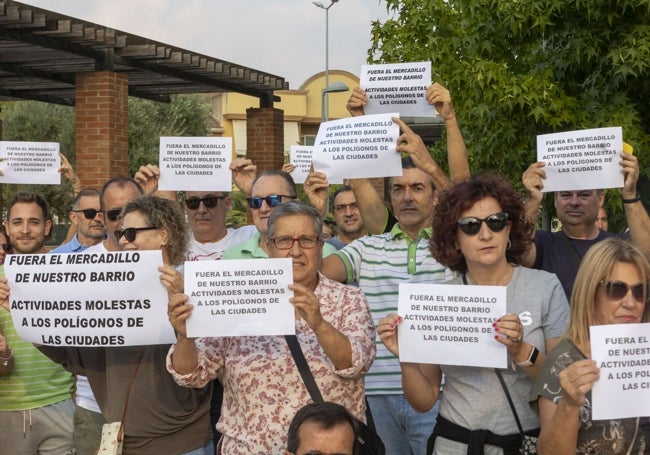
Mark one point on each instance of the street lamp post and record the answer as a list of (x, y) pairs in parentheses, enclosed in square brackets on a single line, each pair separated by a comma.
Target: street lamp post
[(325, 97)]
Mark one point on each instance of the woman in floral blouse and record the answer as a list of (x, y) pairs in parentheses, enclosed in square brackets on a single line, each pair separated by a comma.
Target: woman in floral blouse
[(611, 287), (262, 386)]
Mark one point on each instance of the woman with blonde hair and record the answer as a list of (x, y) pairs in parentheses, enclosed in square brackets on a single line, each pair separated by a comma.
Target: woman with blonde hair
[(611, 287)]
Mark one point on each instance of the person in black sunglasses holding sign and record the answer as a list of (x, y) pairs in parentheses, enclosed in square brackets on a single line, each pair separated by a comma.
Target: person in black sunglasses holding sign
[(88, 219), (611, 287), (269, 189), (480, 231)]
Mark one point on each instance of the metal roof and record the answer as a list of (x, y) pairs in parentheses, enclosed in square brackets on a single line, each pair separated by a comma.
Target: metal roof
[(41, 51)]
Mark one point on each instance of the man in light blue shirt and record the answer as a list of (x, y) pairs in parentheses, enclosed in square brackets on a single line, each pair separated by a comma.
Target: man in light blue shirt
[(88, 219)]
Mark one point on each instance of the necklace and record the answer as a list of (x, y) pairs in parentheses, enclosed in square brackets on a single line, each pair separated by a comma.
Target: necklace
[(506, 278)]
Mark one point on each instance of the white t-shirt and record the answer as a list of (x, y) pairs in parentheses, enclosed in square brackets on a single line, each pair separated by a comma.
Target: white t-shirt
[(214, 250)]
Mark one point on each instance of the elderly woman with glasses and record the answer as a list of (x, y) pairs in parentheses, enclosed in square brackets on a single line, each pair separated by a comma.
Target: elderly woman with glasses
[(611, 287), (263, 388), (480, 231)]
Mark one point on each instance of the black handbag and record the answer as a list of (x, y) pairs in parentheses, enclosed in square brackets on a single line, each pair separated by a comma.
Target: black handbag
[(529, 438), (368, 441)]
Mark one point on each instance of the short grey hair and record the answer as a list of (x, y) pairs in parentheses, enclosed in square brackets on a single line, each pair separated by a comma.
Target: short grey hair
[(294, 208)]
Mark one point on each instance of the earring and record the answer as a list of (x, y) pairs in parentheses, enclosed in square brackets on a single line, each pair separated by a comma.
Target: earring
[(509, 244)]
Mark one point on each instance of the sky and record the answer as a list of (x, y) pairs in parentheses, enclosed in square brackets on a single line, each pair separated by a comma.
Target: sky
[(282, 37)]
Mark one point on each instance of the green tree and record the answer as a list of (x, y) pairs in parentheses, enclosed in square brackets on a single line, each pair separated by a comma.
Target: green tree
[(521, 68)]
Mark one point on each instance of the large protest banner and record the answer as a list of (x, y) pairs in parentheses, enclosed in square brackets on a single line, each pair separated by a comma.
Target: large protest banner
[(89, 299)]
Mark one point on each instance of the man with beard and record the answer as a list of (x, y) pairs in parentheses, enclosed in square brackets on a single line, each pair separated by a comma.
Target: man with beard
[(87, 217), (345, 210), (35, 396)]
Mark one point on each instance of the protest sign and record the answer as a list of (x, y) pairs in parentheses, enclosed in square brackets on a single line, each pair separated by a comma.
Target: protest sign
[(622, 352), (358, 147), (195, 163), (397, 87), (581, 160), (30, 162), (240, 298), (448, 324), (89, 299), (300, 156)]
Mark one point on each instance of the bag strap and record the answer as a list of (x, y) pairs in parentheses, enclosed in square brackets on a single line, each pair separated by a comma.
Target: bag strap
[(512, 405), (128, 390), (303, 368)]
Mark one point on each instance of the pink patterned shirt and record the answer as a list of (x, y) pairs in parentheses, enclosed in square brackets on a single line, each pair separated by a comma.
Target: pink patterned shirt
[(262, 386)]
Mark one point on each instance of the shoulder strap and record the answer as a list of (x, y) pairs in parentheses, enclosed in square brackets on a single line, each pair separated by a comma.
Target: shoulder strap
[(303, 368), (128, 390), (512, 405)]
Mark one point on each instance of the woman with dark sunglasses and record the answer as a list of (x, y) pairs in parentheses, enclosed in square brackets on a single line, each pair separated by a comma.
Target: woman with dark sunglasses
[(480, 231), (611, 287)]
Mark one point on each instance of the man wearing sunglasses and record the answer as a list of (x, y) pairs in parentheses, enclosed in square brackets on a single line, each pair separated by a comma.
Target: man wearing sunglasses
[(87, 218), (561, 252), (114, 194), (269, 189), (36, 395)]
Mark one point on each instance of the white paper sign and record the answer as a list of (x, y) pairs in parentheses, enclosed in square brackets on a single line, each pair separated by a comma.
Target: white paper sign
[(300, 156), (240, 298), (195, 163), (89, 299), (397, 87), (30, 162), (447, 324), (622, 352), (581, 160), (358, 147)]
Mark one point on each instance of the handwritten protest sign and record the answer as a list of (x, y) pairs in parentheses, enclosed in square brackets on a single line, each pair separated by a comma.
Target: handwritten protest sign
[(622, 352), (581, 160), (448, 324), (358, 147), (195, 163), (30, 162), (240, 297), (89, 299), (397, 87)]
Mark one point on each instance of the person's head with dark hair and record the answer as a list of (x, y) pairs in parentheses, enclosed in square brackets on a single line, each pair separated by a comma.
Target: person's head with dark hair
[(28, 224), (87, 217), (412, 197), (344, 208), (270, 188), (460, 216), (114, 195), (152, 223), (322, 428)]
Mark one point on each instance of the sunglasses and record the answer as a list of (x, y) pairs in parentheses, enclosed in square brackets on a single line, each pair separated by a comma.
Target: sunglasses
[(113, 214), (471, 225), (272, 201), (210, 202), (617, 290), (89, 214), (305, 241), (6, 248), (130, 233)]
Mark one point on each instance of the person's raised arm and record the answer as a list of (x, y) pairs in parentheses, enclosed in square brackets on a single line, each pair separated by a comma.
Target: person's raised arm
[(186, 357), (560, 422), (420, 382), (440, 98), (243, 174), (533, 180), (356, 102), (68, 172), (635, 213), (148, 176), (371, 206), (316, 188)]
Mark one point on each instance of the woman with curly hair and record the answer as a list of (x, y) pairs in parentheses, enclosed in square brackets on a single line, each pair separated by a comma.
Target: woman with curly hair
[(481, 232)]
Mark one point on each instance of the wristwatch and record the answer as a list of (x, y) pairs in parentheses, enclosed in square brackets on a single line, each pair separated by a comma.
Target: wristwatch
[(530, 361)]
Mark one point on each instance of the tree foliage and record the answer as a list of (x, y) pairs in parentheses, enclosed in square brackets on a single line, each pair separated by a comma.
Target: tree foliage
[(521, 68)]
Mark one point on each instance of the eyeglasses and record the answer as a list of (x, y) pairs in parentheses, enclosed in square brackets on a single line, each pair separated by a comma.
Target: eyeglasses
[(130, 233), (471, 225), (271, 200), (6, 248), (305, 241), (617, 290), (343, 207), (210, 202), (89, 214), (113, 214)]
